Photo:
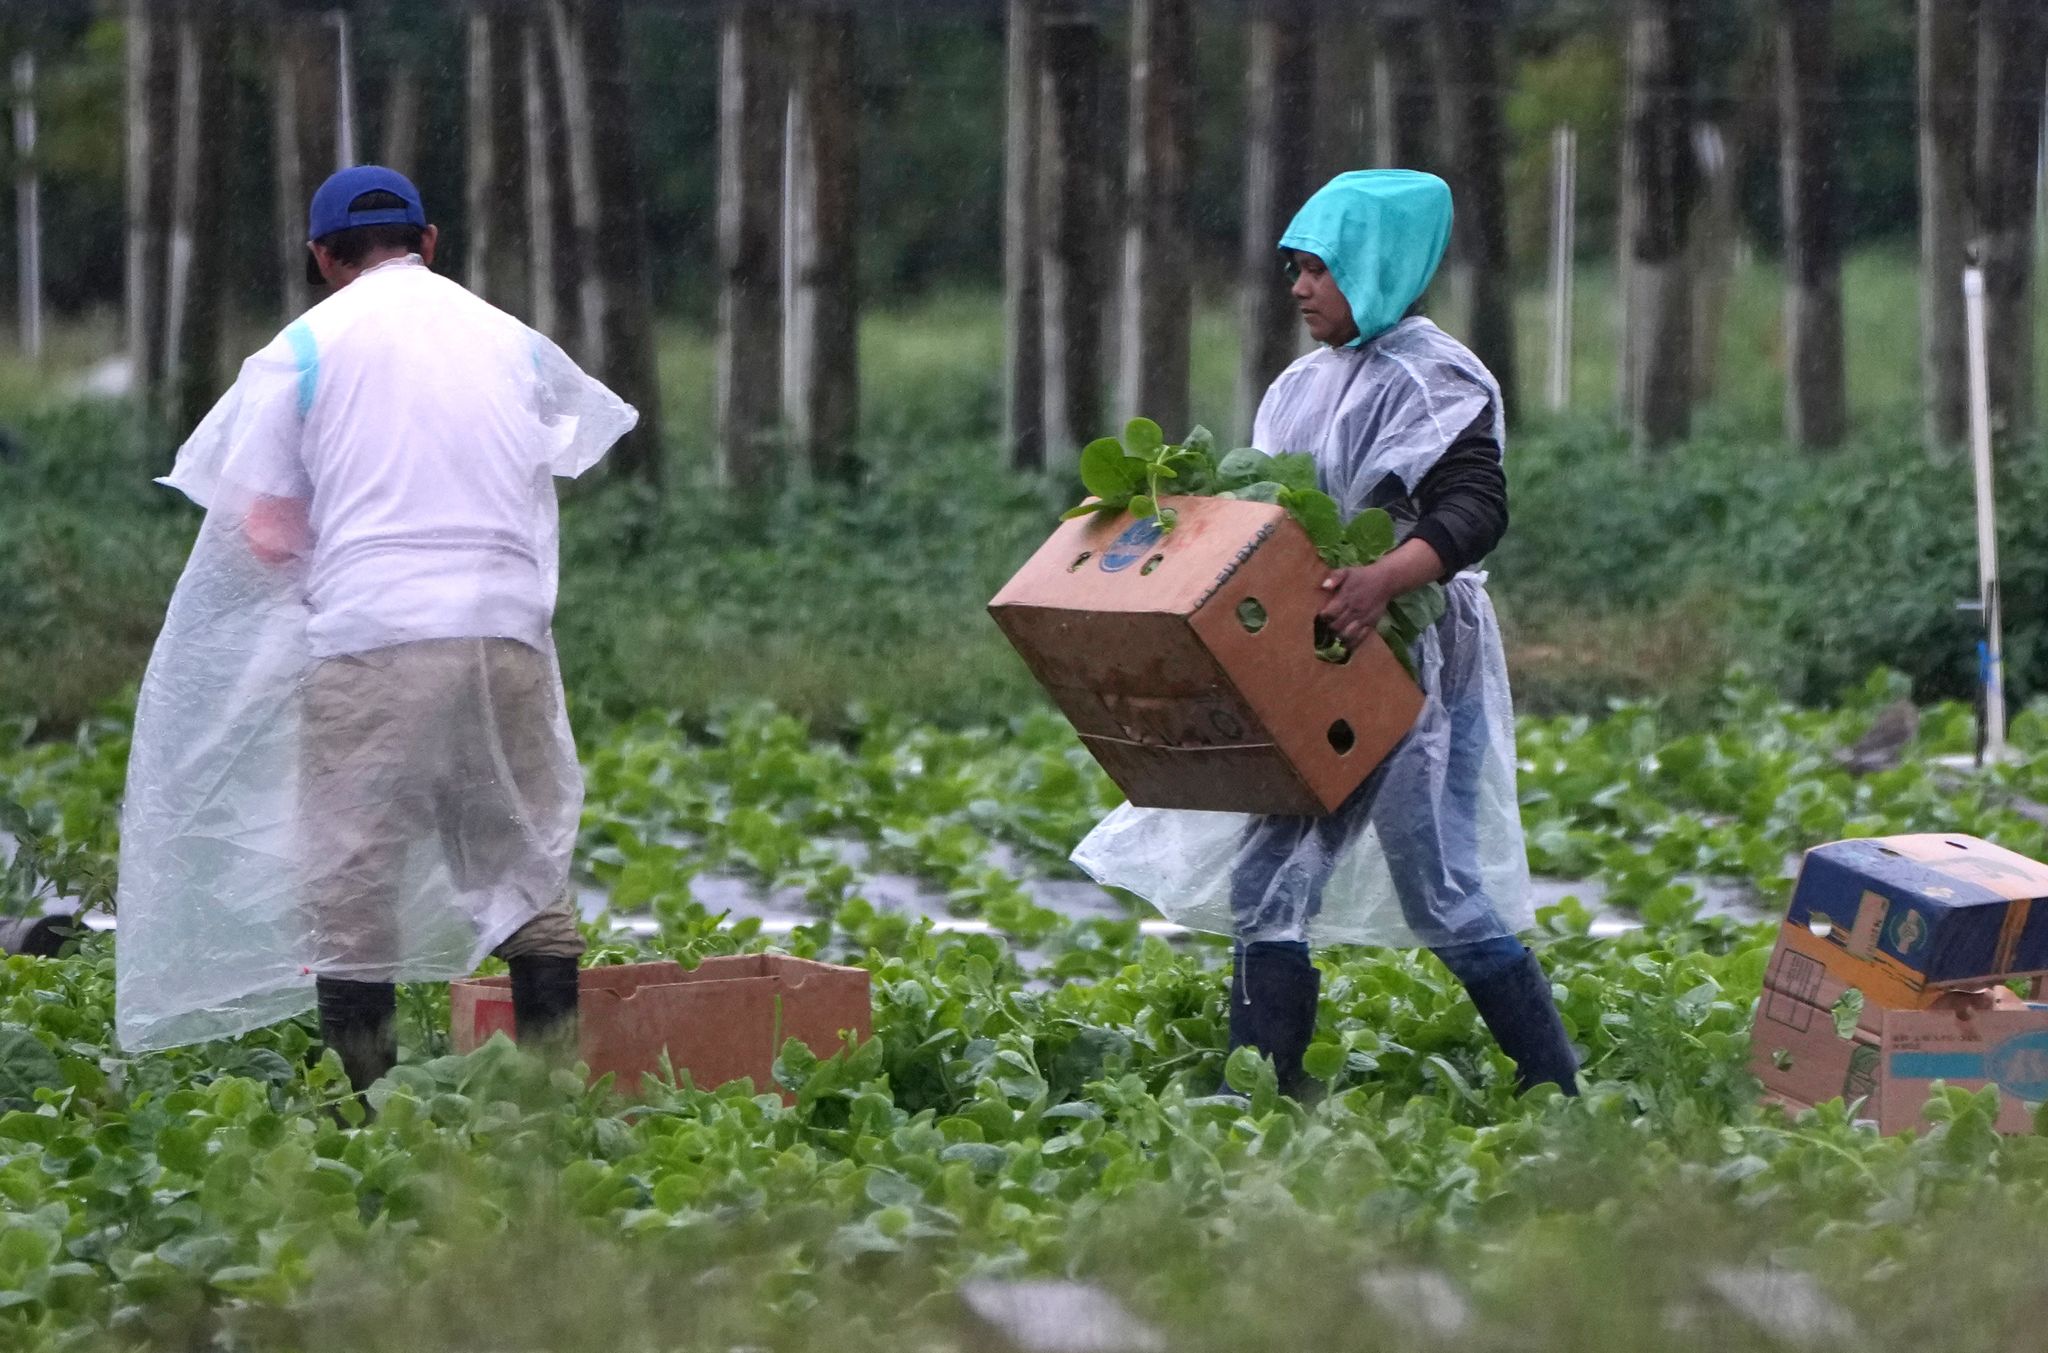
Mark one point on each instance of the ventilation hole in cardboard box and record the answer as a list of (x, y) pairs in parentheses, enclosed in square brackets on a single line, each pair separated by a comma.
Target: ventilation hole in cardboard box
[(1086, 555), (1329, 647), (1251, 614), (1342, 739), (1154, 562)]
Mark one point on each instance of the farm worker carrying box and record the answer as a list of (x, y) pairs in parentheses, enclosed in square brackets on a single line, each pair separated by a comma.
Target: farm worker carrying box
[(352, 765), (1429, 850)]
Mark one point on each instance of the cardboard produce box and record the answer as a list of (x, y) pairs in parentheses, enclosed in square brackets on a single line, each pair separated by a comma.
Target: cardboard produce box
[(1903, 917), (722, 1020), (1186, 660), (1893, 1056)]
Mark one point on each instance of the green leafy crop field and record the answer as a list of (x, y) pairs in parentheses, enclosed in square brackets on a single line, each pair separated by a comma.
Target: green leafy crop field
[(1035, 1100)]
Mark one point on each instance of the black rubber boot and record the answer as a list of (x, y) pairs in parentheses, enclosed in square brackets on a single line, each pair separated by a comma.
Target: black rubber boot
[(1517, 1006), (359, 1020), (545, 992), (1273, 992)]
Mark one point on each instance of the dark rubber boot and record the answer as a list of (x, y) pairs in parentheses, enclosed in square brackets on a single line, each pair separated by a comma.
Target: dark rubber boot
[(1517, 1006), (359, 1020), (545, 993), (1273, 992)]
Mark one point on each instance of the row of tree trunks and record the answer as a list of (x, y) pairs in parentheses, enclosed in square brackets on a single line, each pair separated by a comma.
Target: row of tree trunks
[(1816, 412), (821, 370), (1155, 316), (1279, 121)]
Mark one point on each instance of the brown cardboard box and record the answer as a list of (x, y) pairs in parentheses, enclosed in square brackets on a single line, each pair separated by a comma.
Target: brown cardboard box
[(1186, 660), (1894, 1056), (722, 1020)]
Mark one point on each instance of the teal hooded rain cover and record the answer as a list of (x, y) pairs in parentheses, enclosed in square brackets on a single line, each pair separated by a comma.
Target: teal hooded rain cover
[(1381, 233)]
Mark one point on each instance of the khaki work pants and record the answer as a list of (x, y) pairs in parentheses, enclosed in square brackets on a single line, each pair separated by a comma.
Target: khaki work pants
[(438, 752)]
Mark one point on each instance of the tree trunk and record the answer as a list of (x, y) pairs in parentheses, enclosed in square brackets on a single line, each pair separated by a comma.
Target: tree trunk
[(579, 135), (750, 140), (1816, 404), (305, 133), (480, 165), (822, 373), (1404, 96), (1157, 308), (401, 148), (1023, 288), (1716, 229), (495, 243), (542, 137), (625, 314), (1072, 212), (557, 264), (1340, 84), (1947, 79), (198, 274), (1280, 98), (152, 86), (1660, 183), (2012, 65), (1475, 136), (28, 191)]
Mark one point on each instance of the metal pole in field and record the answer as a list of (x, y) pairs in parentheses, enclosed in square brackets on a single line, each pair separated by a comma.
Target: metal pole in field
[(1991, 654), (344, 102), (1564, 229), (28, 205)]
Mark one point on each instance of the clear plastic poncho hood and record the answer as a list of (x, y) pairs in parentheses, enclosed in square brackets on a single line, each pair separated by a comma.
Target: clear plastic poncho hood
[(219, 929), (1432, 853)]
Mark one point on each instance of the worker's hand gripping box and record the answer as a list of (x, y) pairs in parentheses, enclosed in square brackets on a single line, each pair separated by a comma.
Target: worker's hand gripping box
[(725, 1019), (1186, 659), (1902, 917)]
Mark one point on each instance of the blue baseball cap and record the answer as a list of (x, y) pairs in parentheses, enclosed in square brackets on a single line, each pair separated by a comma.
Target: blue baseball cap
[(331, 211)]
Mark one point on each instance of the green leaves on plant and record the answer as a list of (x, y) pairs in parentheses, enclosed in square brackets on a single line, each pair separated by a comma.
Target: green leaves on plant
[(1107, 472)]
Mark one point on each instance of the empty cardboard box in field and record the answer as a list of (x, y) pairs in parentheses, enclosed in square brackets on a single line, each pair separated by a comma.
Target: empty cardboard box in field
[(725, 1019), (1890, 1057), (1186, 659), (1903, 917)]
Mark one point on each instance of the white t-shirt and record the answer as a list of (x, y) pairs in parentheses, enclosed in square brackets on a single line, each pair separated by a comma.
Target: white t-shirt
[(423, 459)]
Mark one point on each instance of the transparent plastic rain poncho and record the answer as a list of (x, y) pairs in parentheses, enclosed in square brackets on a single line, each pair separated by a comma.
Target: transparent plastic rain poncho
[(231, 848), (1429, 851)]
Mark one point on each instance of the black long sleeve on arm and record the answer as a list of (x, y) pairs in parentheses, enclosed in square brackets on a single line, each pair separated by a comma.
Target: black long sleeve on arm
[(1464, 499)]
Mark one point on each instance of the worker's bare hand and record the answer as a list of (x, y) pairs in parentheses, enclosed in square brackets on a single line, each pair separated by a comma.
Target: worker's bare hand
[(1358, 601), (276, 530)]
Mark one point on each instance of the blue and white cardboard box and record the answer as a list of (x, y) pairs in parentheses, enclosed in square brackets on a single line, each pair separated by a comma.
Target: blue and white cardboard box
[(1904, 917)]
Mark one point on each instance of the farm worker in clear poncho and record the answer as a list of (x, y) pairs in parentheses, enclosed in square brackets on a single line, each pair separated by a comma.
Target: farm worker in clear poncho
[(1429, 850), (351, 764)]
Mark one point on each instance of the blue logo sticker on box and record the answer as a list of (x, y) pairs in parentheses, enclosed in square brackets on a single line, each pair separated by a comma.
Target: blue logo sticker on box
[(1134, 544)]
